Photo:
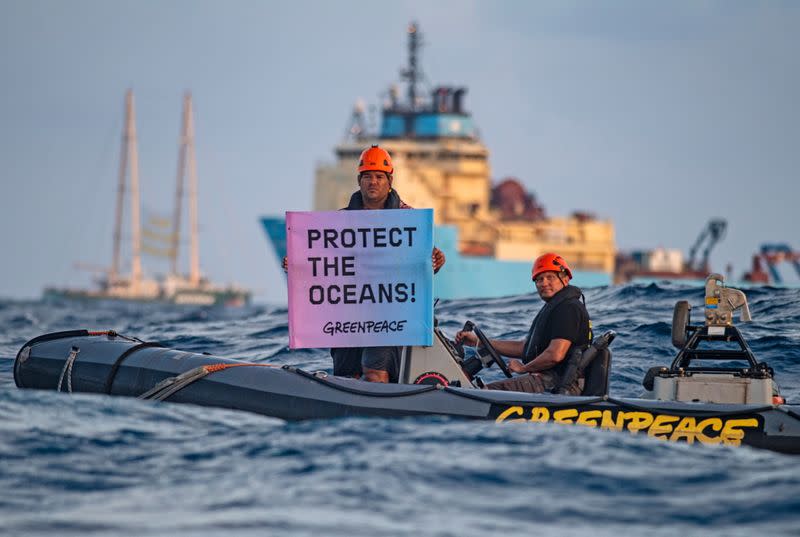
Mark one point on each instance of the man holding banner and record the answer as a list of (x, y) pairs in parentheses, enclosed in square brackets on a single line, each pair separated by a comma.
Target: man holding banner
[(354, 287)]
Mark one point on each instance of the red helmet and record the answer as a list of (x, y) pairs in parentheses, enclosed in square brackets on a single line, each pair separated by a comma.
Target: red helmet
[(550, 262), (375, 159)]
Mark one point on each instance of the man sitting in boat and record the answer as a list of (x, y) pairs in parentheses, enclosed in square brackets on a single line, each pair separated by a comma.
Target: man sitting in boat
[(560, 326), (375, 170)]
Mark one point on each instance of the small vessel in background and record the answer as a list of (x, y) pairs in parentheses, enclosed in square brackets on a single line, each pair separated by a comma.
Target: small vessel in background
[(659, 264), (489, 233), (175, 288), (772, 255)]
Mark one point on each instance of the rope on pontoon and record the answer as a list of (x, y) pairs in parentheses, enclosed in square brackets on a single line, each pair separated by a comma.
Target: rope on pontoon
[(67, 369), (172, 385)]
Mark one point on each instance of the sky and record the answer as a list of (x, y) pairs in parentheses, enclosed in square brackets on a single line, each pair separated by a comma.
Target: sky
[(656, 115)]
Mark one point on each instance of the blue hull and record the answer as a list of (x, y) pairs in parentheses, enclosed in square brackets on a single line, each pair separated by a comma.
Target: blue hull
[(462, 276)]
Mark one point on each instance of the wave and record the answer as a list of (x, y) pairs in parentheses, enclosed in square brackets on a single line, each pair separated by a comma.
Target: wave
[(90, 463)]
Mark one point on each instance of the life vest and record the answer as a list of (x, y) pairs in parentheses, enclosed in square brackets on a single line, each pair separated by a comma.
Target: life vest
[(536, 342)]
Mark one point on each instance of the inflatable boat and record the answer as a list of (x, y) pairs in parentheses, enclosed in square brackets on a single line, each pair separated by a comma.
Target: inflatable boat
[(727, 404)]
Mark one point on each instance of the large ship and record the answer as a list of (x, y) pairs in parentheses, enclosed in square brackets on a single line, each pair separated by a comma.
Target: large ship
[(174, 288), (489, 233)]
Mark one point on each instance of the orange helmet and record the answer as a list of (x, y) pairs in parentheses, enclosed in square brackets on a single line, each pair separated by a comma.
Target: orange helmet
[(375, 159), (550, 262)]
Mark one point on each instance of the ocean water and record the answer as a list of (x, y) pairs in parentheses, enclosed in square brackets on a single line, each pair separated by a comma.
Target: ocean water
[(89, 464)]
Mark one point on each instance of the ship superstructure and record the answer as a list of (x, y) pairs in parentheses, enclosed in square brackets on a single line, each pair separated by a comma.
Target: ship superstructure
[(452, 176), (490, 234)]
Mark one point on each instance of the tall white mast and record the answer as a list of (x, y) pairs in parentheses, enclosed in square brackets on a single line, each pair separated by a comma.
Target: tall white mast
[(123, 169), (176, 215), (194, 274), (133, 152), (186, 159), (129, 155)]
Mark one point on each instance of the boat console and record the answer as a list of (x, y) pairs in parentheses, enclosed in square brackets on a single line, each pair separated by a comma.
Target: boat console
[(441, 363), (444, 363), (714, 363)]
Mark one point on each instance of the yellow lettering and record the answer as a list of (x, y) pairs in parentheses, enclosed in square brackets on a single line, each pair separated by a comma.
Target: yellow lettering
[(716, 425), (662, 424), (510, 411), (565, 415), (732, 433), (540, 414), (685, 429), (638, 421), (609, 423), (589, 418)]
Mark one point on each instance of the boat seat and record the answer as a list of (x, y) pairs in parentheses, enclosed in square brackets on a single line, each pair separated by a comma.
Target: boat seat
[(595, 382)]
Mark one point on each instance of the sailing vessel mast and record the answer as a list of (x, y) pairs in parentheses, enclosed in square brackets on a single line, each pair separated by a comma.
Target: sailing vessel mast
[(129, 154), (194, 243), (186, 159), (175, 288), (176, 214)]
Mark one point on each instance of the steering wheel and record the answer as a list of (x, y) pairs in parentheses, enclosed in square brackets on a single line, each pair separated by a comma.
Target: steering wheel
[(470, 326), (457, 347)]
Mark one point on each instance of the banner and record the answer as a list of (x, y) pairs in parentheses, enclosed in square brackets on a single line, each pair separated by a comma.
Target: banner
[(360, 278)]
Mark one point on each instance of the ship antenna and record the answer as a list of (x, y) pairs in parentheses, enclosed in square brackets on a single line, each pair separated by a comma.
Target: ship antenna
[(357, 128), (412, 73)]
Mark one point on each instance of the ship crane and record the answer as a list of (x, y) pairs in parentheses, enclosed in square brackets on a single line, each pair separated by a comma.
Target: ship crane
[(714, 231), (773, 254)]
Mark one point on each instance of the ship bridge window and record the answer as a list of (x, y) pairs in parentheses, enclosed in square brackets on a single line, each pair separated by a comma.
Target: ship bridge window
[(455, 155)]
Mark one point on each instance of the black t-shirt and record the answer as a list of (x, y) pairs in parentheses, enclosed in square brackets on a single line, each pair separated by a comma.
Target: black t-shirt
[(570, 321)]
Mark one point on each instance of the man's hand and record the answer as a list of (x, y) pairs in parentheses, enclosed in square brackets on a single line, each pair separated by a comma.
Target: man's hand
[(438, 259), (468, 338), (285, 264), (516, 366)]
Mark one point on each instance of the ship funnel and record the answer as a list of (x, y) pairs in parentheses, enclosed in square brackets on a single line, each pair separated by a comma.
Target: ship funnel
[(458, 100), (441, 99)]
